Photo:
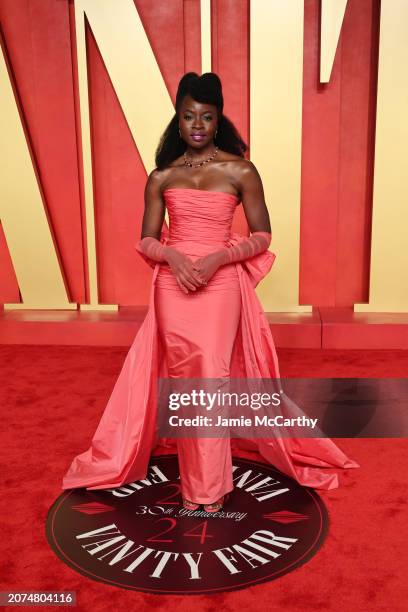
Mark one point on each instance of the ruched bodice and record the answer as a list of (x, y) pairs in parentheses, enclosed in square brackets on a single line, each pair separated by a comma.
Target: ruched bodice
[(196, 215), (199, 223)]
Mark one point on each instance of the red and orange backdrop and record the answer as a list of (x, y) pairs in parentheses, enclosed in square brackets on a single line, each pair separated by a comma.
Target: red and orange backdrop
[(318, 89)]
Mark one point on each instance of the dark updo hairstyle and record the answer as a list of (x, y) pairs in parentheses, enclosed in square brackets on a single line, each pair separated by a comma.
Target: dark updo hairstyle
[(206, 89)]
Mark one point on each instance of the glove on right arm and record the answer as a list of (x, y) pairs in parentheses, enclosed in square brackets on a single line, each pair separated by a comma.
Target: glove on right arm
[(180, 264)]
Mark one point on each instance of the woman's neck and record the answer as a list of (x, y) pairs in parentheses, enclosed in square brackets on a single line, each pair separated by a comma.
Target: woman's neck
[(198, 154)]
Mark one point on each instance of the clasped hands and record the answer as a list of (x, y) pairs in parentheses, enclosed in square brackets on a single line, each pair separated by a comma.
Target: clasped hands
[(191, 275)]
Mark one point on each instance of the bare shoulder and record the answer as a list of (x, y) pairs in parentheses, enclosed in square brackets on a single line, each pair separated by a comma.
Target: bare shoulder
[(239, 164), (247, 170), (156, 180), (248, 177), (229, 159), (234, 164), (243, 171)]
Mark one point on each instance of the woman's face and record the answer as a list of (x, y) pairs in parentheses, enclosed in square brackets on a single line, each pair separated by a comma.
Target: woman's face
[(198, 122)]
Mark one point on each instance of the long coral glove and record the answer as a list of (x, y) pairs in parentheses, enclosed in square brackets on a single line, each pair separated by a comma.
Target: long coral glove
[(257, 243), (181, 265)]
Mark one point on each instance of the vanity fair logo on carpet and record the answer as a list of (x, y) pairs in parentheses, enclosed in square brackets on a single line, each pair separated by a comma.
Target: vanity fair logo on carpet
[(139, 536)]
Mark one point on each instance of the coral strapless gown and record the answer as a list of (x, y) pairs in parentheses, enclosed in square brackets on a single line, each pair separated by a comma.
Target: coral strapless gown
[(218, 331)]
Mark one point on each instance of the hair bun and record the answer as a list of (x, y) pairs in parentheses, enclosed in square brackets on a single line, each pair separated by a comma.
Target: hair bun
[(206, 88), (212, 79)]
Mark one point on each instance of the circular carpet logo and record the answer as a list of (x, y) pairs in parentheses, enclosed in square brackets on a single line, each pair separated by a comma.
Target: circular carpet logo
[(139, 537)]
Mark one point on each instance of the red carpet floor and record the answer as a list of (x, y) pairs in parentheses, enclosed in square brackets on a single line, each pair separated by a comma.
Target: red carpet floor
[(51, 400)]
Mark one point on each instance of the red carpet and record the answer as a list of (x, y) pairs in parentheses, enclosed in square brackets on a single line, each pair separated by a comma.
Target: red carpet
[(51, 401)]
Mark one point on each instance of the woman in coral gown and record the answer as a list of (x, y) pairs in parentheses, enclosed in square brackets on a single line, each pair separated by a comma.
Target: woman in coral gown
[(204, 318)]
